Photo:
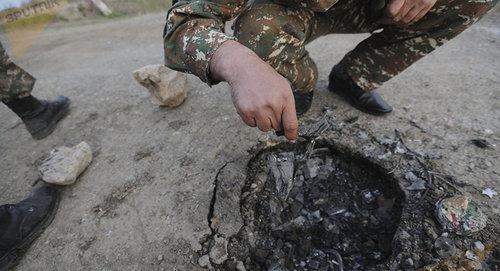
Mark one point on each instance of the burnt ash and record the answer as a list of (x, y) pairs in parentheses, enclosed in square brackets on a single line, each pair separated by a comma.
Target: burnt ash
[(334, 214)]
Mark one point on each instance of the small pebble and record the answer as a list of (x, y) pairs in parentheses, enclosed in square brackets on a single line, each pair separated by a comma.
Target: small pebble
[(240, 266), (404, 235), (478, 245), (408, 262), (218, 252), (470, 255), (204, 261)]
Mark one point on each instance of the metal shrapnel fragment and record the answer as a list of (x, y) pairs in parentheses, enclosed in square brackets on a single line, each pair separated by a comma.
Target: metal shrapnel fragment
[(312, 130), (417, 183), (315, 129), (281, 166), (311, 169)]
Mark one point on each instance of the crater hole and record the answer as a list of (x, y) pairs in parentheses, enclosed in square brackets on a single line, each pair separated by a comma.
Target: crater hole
[(329, 210)]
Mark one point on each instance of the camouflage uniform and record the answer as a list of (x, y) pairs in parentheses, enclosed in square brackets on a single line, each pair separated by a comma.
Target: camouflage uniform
[(14, 81), (278, 31)]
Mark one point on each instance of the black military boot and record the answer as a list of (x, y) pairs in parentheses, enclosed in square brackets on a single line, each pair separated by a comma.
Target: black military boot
[(39, 116), (22, 223), (303, 102), (367, 101)]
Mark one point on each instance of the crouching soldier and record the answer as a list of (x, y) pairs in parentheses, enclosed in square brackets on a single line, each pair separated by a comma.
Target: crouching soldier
[(271, 76)]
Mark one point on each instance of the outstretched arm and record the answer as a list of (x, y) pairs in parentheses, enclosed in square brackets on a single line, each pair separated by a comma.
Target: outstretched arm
[(195, 43)]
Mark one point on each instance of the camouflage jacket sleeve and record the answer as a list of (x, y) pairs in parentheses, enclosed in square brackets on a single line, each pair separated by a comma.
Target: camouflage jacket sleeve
[(194, 31)]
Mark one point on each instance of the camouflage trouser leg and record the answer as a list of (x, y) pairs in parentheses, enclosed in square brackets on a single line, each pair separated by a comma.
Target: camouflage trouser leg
[(384, 55), (278, 35), (14, 81)]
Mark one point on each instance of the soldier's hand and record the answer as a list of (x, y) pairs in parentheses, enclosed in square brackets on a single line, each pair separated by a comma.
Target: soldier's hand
[(408, 11), (262, 97)]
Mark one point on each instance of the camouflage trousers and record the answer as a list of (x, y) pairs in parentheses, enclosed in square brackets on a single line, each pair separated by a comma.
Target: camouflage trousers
[(14, 81), (279, 33)]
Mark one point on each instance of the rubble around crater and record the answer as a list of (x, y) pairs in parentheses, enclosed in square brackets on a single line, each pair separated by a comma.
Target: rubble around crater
[(327, 203)]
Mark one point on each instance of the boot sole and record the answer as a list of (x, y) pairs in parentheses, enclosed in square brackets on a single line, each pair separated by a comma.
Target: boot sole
[(53, 124), (13, 256)]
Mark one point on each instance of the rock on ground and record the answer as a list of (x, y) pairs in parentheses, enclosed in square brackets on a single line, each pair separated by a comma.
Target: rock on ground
[(167, 87), (64, 164), (204, 261), (240, 266), (74, 11), (102, 7), (218, 253)]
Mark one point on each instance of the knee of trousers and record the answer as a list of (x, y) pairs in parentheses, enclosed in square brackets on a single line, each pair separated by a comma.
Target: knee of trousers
[(278, 36), (463, 13), (273, 32)]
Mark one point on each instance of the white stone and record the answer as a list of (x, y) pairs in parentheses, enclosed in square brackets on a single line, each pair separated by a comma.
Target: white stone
[(204, 261), (218, 253), (489, 192), (64, 165), (478, 245), (102, 7), (470, 255), (240, 266), (72, 11), (166, 87)]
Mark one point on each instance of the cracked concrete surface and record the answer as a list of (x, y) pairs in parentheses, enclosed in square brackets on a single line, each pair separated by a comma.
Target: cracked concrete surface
[(224, 215), (441, 103)]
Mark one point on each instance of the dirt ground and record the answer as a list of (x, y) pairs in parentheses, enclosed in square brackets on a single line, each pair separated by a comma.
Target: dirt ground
[(144, 201)]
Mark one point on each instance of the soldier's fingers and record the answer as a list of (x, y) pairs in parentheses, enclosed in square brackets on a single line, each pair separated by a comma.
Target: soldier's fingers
[(263, 122), (275, 124), (410, 16), (403, 11), (248, 120), (289, 121), (422, 14), (394, 7), (277, 117)]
